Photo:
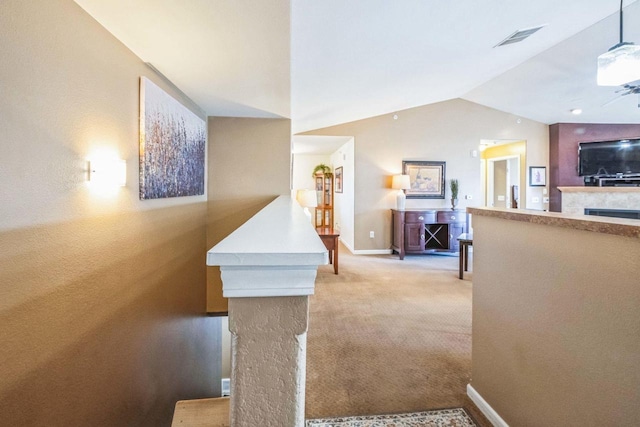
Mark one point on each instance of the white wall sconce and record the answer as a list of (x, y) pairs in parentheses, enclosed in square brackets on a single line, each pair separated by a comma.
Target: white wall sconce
[(108, 172), (400, 183)]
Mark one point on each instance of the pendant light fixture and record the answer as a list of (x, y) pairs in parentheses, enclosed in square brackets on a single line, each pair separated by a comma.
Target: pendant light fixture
[(620, 64)]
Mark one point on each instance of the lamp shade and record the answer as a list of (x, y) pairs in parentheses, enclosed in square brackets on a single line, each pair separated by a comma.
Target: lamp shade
[(400, 182), (620, 65), (307, 198)]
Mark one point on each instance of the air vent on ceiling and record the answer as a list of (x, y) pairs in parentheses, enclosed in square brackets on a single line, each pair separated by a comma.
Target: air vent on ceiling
[(519, 35)]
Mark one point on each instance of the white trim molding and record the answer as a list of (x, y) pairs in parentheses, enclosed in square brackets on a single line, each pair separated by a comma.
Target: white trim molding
[(485, 408), (348, 246), (372, 252), (366, 251), (276, 253)]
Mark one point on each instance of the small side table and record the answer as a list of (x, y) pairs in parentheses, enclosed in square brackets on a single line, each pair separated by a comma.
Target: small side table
[(466, 240), (329, 237)]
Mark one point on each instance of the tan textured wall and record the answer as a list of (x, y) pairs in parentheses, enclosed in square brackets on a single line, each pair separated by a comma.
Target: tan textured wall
[(446, 131), (556, 324), (102, 299), (269, 360), (249, 166)]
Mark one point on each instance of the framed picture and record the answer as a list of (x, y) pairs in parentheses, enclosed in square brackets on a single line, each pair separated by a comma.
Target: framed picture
[(426, 179), (537, 176), (172, 146), (338, 179)]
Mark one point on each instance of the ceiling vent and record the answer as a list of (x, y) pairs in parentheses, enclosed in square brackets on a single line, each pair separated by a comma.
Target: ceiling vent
[(519, 35)]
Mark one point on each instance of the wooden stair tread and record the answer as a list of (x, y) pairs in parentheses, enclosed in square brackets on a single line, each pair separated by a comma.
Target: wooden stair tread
[(202, 413)]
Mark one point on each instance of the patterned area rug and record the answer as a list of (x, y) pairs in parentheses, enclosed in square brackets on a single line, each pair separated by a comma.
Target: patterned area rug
[(440, 418)]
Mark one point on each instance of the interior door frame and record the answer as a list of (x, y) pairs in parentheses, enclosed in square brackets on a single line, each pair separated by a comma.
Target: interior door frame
[(488, 200)]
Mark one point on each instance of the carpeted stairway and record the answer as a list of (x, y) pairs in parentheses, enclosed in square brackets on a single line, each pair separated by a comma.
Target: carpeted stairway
[(389, 336)]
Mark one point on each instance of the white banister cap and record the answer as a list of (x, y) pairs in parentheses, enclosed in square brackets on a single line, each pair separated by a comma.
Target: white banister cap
[(275, 253)]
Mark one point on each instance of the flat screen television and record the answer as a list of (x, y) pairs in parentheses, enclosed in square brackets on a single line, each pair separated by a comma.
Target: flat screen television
[(609, 158)]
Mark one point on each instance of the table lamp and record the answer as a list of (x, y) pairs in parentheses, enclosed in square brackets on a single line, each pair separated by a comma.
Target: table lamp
[(307, 199), (400, 183)]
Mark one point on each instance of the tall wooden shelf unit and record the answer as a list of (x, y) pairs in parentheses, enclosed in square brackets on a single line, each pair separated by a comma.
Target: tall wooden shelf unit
[(324, 191)]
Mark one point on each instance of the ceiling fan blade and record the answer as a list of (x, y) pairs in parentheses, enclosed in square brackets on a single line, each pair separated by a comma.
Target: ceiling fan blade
[(628, 89), (617, 98)]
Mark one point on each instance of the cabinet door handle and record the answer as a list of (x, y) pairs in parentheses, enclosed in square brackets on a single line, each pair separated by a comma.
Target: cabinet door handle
[(422, 237), (453, 218), (421, 218)]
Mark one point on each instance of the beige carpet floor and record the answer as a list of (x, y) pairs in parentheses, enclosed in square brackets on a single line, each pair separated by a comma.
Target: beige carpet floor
[(389, 336)]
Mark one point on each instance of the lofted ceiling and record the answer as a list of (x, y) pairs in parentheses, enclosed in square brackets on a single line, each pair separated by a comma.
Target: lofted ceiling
[(548, 86), (323, 63)]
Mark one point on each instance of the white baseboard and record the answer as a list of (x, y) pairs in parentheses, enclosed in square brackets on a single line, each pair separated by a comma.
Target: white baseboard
[(365, 251), (484, 407), (371, 252), (348, 246)]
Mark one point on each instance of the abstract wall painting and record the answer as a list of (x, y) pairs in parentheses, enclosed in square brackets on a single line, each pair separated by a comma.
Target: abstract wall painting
[(172, 146)]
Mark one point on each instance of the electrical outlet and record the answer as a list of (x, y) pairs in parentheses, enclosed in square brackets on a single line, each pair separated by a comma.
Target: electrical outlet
[(372, 234), (545, 200), (226, 387), (468, 197)]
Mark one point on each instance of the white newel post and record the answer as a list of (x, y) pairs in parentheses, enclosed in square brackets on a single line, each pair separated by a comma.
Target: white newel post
[(268, 268)]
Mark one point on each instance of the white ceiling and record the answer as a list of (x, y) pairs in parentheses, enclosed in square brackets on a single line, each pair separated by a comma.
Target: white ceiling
[(546, 87), (328, 62), (317, 144), (231, 57)]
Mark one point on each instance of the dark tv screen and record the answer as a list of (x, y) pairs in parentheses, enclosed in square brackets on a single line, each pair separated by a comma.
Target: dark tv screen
[(608, 158)]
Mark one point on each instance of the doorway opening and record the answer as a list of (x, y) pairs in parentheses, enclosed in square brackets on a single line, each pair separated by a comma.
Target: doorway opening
[(338, 152), (503, 178)]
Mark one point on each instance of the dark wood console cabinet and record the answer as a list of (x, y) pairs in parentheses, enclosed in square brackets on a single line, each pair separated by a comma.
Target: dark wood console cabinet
[(426, 231)]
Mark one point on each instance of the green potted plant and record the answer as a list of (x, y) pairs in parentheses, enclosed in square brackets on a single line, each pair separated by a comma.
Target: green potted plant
[(321, 168), (454, 193)]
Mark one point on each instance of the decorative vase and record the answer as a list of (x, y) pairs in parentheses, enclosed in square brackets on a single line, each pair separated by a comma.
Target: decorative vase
[(454, 203)]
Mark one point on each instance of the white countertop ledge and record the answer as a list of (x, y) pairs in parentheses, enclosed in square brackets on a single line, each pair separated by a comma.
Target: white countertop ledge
[(275, 253)]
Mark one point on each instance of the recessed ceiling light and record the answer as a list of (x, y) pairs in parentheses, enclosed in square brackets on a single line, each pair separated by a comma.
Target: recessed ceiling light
[(576, 111)]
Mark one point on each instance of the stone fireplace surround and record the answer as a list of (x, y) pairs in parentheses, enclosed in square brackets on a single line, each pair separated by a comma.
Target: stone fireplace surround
[(576, 199)]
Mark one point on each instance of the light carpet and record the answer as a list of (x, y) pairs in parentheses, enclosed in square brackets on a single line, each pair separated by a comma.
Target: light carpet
[(389, 336), (440, 418)]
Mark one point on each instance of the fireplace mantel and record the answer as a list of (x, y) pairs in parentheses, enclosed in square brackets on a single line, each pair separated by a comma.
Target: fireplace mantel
[(599, 189)]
